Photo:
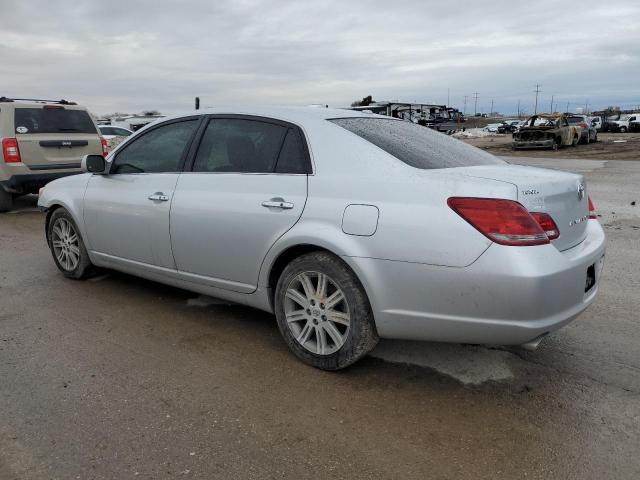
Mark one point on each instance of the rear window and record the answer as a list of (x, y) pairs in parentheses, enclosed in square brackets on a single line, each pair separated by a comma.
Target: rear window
[(575, 120), (52, 120), (416, 145)]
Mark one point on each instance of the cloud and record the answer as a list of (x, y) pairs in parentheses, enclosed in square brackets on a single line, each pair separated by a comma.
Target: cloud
[(145, 54)]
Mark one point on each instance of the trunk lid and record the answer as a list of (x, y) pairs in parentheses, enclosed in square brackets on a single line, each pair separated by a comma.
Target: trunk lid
[(560, 194)]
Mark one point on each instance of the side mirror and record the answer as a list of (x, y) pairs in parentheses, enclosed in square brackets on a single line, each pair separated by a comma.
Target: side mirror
[(94, 164)]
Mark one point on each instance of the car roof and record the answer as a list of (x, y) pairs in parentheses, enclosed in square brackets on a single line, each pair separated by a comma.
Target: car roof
[(298, 115)]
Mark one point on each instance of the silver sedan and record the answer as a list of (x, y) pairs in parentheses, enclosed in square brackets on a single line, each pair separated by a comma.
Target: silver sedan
[(347, 226)]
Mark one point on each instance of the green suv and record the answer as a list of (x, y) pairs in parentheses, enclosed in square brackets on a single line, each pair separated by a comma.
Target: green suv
[(42, 140)]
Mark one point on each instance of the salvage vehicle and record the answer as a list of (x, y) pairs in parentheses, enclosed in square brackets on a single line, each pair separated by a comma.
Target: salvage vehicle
[(622, 125), (348, 226), (509, 126), (42, 140), (546, 131), (588, 132)]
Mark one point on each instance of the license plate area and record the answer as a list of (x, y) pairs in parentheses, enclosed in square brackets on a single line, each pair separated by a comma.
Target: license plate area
[(591, 278)]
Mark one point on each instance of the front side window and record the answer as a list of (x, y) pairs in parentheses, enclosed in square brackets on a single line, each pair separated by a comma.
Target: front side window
[(157, 151), (415, 145), (240, 146)]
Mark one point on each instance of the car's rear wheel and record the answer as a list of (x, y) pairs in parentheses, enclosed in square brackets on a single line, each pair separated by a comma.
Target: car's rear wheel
[(67, 247), (6, 200), (575, 141), (323, 312), (623, 129)]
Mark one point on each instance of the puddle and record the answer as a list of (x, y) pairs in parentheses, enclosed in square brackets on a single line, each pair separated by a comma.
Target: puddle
[(469, 364)]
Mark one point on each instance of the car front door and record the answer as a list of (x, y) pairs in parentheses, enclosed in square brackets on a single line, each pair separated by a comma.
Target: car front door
[(247, 187), (126, 213)]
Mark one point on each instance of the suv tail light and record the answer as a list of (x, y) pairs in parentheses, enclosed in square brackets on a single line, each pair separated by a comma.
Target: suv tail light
[(547, 224), (105, 146), (592, 210), (583, 125), (10, 150), (503, 221)]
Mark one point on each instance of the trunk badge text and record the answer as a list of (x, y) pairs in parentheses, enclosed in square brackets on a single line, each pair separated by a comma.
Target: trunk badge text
[(577, 221)]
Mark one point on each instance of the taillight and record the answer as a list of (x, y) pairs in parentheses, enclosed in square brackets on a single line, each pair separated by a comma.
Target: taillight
[(584, 125), (10, 150), (592, 210), (503, 221), (105, 146), (547, 224)]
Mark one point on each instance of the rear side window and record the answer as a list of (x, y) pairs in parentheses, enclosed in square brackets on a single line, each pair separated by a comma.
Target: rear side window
[(238, 145), (293, 158), (52, 120), (415, 145), (159, 150), (575, 120)]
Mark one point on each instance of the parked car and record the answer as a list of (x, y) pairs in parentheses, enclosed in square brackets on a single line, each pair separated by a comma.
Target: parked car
[(596, 122), (109, 132), (492, 127), (634, 125), (588, 132), (622, 124), (349, 227), (42, 140), (546, 131), (509, 126)]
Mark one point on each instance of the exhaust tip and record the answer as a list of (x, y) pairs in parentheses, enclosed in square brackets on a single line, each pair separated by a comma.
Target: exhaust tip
[(532, 345)]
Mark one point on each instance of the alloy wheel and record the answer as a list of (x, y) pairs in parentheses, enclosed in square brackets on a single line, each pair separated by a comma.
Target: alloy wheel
[(317, 313), (66, 248)]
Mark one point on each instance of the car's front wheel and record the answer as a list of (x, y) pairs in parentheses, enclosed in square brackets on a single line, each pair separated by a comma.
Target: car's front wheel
[(67, 247), (323, 312)]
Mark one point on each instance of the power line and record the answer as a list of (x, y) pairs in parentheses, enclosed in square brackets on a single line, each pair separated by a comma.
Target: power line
[(537, 91)]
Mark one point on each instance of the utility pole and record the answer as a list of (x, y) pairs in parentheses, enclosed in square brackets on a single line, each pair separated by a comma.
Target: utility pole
[(537, 91), (586, 107), (518, 108), (567, 111), (475, 106), (491, 111), (464, 111), (448, 97), (551, 111)]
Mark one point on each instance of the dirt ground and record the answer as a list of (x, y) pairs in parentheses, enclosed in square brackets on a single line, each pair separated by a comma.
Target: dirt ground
[(610, 146)]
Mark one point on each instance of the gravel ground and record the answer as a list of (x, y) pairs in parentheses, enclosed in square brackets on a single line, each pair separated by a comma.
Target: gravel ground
[(117, 377)]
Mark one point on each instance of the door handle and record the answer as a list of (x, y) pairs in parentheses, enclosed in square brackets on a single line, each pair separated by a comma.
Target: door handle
[(278, 203), (159, 197)]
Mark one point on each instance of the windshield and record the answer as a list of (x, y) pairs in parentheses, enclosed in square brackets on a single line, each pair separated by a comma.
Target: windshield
[(576, 120), (53, 120), (416, 145)]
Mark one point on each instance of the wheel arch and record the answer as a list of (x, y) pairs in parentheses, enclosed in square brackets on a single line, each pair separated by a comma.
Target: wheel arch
[(292, 251)]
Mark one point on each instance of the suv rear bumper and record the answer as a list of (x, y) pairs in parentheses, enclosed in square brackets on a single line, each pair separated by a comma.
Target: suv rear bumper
[(31, 183)]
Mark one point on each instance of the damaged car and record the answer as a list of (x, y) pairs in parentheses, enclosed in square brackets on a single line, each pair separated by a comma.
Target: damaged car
[(547, 131)]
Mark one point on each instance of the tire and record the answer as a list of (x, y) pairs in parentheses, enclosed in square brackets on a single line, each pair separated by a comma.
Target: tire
[(6, 200), (67, 247), (575, 141), (595, 138), (311, 335), (623, 129)]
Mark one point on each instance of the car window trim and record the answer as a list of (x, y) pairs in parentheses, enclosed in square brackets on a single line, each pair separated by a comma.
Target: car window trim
[(256, 118), (185, 152)]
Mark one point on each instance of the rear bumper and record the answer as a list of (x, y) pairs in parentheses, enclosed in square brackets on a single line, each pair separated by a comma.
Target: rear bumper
[(31, 183), (509, 296)]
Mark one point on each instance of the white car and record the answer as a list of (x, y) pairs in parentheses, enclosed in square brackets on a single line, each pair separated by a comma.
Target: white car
[(492, 127), (109, 132), (349, 227)]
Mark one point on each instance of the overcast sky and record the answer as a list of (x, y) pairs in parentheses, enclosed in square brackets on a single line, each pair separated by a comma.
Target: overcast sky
[(114, 55)]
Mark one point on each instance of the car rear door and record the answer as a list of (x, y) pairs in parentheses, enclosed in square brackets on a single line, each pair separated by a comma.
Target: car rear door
[(126, 213), (55, 137), (247, 187)]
